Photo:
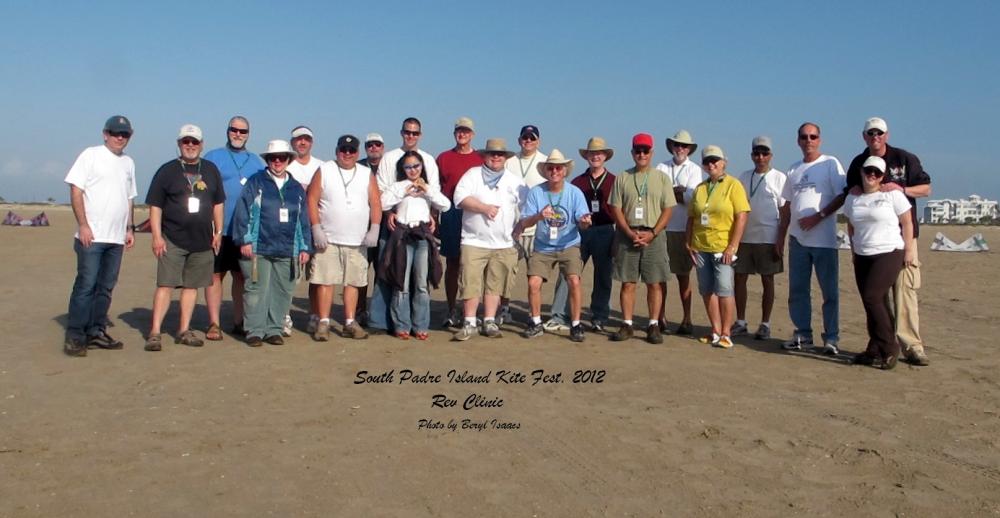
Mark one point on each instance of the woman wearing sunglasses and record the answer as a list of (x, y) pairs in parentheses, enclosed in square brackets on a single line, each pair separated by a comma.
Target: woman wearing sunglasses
[(271, 227), (882, 241)]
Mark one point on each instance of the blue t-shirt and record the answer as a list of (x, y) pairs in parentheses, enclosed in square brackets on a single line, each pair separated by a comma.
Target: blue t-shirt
[(570, 205), (234, 167)]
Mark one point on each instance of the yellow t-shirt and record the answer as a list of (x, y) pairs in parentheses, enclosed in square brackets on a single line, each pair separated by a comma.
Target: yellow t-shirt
[(721, 203)]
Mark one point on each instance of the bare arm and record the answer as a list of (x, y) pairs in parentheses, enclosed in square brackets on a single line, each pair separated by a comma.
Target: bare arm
[(313, 194), (156, 228), (784, 218), (130, 228), (918, 191), (217, 217), (735, 235), (80, 212), (909, 243), (374, 202)]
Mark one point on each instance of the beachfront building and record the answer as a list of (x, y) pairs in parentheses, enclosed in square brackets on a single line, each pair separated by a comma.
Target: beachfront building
[(973, 209)]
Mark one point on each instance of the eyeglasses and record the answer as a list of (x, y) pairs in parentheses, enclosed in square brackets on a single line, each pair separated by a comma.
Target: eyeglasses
[(496, 154), (190, 142), (119, 134), (373, 144), (408, 133), (412, 167), (278, 158), (641, 150), (808, 136), (241, 131), (875, 133), (529, 138), (760, 152), (872, 171), (710, 160), (347, 150)]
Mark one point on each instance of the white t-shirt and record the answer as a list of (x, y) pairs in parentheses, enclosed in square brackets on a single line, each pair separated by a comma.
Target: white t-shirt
[(304, 173), (509, 194), (875, 218), (413, 209), (387, 169), (764, 192), (343, 205), (527, 170), (810, 187), (687, 175), (108, 183)]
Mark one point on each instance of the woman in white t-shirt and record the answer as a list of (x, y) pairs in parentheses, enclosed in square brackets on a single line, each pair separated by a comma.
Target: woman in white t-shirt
[(882, 241), (413, 197)]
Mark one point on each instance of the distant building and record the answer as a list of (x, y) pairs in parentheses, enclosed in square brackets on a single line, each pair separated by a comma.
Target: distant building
[(973, 209)]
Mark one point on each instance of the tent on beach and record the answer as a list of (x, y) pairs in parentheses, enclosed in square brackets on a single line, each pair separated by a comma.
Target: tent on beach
[(976, 243), (12, 219)]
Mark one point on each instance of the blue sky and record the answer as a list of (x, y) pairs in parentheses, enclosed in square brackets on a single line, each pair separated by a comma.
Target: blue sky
[(724, 71)]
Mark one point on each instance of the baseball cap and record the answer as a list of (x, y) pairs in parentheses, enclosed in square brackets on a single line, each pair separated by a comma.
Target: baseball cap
[(302, 130), (761, 141), (465, 122), (874, 161), (642, 139), (373, 137), (347, 141), (876, 123), (712, 151), (190, 130), (118, 123), (529, 130)]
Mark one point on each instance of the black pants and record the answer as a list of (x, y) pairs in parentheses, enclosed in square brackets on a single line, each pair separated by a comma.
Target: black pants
[(875, 275)]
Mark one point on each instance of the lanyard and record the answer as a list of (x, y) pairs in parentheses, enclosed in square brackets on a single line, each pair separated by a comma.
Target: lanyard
[(710, 188), (753, 190), (191, 178), (348, 182), (597, 188), (555, 204), (239, 167), (530, 163), (281, 190), (645, 184)]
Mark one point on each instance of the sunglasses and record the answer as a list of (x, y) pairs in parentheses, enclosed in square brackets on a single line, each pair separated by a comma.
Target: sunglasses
[(190, 142), (529, 138), (409, 133), (412, 167), (808, 136), (347, 150), (710, 160), (241, 131), (278, 158), (872, 171), (120, 134), (373, 144), (760, 153), (678, 145), (875, 133), (641, 150), (496, 154)]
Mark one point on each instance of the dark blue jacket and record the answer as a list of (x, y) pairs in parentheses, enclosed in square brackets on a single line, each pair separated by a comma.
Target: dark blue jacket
[(256, 219)]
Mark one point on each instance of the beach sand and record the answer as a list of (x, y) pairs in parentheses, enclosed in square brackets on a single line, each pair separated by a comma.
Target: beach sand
[(679, 429)]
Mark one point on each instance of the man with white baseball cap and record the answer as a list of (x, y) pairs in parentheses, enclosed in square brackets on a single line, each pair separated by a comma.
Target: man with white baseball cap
[(374, 149), (302, 169)]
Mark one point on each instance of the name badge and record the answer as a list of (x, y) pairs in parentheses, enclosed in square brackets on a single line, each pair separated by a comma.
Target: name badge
[(704, 219), (553, 233), (243, 181), (639, 213), (283, 215), (193, 205), (595, 206)]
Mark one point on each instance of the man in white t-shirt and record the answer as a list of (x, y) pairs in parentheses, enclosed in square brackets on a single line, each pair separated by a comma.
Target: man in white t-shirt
[(525, 166), (101, 187), (685, 176), (812, 197), (302, 170), (490, 197), (760, 251)]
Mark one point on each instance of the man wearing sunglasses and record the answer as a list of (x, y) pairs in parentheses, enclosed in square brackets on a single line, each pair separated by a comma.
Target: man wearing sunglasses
[(903, 170), (102, 186), (185, 214), (302, 170), (374, 149), (812, 196), (525, 165), (235, 165)]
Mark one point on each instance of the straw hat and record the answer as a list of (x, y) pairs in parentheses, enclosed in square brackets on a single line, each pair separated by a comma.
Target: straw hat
[(496, 145), (555, 158), (683, 137), (597, 144)]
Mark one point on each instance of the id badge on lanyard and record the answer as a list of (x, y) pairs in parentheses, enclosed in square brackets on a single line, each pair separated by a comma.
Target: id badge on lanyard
[(194, 204), (595, 206), (283, 215), (704, 219), (553, 233), (639, 213)]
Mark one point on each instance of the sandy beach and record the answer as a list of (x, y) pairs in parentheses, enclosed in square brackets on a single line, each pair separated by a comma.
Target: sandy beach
[(591, 429)]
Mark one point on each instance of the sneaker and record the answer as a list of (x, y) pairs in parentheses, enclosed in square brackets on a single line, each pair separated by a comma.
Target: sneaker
[(454, 321), (491, 329), (322, 331), (464, 333), (504, 315), (104, 341), (738, 329), (597, 326), (555, 326), (829, 348), (286, 328), (916, 357), (684, 329), (355, 331), (576, 333), (625, 332), (725, 342), (313, 325), (796, 343), (710, 339), (763, 333), (74, 347), (653, 334), (534, 330)]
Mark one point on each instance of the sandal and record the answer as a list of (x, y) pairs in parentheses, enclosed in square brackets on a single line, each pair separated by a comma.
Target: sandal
[(214, 333), (421, 335), (154, 343), (403, 336), (189, 338)]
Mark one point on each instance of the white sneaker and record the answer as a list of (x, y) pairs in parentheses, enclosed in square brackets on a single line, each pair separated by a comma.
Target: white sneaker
[(554, 326), (796, 343), (829, 348), (763, 333), (286, 328), (738, 329)]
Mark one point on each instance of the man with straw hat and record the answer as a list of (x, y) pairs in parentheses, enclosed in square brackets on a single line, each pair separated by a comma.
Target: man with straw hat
[(490, 197), (685, 175), (595, 241), (558, 210)]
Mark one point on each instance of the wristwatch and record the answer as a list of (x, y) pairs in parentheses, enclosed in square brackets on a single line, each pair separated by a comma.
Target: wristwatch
[(822, 214)]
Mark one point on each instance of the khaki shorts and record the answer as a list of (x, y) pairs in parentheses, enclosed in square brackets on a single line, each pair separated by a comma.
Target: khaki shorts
[(680, 260), (341, 265), (178, 268), (757, 258), (647, 264), (568, 260), (496, 267)]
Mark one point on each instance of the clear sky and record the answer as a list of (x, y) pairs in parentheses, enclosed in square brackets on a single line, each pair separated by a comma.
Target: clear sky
[(726, 71)]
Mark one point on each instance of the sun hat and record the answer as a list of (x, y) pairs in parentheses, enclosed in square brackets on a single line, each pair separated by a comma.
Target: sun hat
[(277, 147), (496, 145), (683, 137), (555, 158), (597, 144)]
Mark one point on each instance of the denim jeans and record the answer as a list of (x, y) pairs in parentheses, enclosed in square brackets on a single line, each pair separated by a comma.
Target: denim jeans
[(266, 302), (595, 242), (801, 260), (97, 269), (378, 308), (413, 315), (714, 277)]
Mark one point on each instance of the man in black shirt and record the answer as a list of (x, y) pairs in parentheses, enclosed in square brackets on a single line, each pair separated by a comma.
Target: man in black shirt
[(185, 214)]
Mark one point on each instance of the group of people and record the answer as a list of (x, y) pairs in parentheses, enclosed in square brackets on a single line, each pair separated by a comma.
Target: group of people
[(272, 219)]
